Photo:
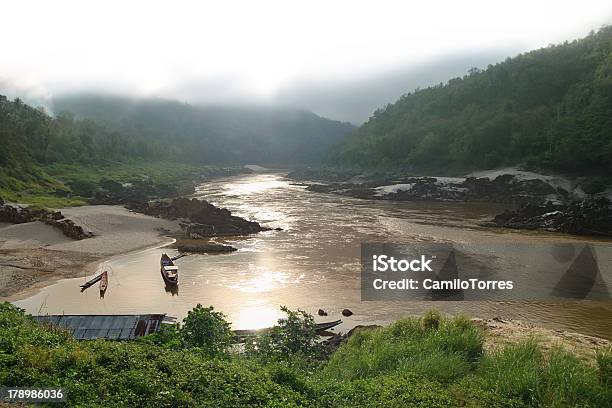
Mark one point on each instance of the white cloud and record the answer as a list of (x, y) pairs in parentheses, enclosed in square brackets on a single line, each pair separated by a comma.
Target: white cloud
[(255, 48)]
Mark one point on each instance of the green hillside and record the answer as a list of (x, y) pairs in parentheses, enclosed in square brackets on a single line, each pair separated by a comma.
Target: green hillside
[(59, 160), (548, 108), (258, 135)]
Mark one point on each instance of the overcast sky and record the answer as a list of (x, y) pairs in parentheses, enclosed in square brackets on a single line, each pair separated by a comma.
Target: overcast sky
[(341, 59)]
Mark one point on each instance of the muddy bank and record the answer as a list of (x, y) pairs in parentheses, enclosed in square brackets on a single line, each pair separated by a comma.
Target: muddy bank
[(26, 270), (34, 254)]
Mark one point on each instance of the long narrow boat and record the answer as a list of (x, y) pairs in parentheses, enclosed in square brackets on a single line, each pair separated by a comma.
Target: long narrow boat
[(328, 325), (103, 282), (91, 282), (168, 270), (319, 327)]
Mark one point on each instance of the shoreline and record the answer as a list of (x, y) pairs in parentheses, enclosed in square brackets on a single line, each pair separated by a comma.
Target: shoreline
[(89, 268), (33, 256)]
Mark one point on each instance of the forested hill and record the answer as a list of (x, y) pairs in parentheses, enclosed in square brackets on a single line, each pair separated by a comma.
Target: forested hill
[(213, 134), (549, 108)]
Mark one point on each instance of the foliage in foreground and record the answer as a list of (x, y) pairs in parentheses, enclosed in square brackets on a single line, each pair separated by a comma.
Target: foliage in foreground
[(429, 362)]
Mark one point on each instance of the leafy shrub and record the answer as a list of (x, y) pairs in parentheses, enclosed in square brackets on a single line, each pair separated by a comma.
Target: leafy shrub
[(83, 187), (208, 330), (169, 336), (401, 391), (294, 335)]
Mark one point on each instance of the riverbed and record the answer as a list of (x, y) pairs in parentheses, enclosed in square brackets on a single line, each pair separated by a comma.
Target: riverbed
[(312, 263)]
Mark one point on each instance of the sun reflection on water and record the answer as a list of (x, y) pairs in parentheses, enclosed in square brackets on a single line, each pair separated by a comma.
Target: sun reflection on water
[(253, 187), (264, 281), (257, 316)]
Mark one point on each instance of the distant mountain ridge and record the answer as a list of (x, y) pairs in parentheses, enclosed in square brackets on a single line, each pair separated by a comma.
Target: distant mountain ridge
[(266, 136), (549, 108)]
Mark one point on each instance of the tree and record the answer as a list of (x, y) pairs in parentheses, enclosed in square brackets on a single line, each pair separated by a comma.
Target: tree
[(208, 330), (293, 335)]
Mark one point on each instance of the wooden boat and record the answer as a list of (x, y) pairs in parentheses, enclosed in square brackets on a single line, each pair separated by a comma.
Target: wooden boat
[(328, 325), (319, 327), (169, 271), (91, 282), (103, 282)]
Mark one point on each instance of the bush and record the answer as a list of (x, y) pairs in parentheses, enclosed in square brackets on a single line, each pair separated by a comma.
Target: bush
[(208, 330), (401, 391), (83, 187), (293, 336)]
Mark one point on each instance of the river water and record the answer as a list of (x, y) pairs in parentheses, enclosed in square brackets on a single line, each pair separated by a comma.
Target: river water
[(312, 263)]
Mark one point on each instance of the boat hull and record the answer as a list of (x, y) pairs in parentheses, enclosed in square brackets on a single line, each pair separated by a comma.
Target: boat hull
[(168, 280), (104, 282), (169, 276)]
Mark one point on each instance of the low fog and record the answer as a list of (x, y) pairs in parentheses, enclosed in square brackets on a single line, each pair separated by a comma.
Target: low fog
[(341, 60)]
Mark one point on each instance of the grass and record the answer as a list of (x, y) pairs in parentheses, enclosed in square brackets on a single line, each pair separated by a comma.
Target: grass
[(66, 185), (408, 346), (411, 363)]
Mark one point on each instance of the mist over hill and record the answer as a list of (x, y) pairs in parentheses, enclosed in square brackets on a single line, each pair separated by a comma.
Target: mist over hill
[(245, 134), (547, 108)]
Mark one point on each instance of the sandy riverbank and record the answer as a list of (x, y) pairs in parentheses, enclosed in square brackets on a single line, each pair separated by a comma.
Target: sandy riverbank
[(34, 255)]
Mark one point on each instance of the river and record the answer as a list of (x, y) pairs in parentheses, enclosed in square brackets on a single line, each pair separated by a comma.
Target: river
[(312, 263)]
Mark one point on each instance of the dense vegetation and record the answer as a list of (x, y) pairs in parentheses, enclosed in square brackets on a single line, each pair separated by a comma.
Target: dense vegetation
[(57, 161), (427, 362), (246, 135), (60, 160), (550, 108)]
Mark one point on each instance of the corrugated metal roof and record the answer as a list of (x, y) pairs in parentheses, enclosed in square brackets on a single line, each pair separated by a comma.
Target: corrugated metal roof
[(115, 327)]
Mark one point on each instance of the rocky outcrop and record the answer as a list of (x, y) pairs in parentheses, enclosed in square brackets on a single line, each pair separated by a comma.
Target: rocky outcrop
[(205, 248), (201, 219), (503, 189), (16, 214), (509, 189), (114, 192), (591, 216), (69, 228)]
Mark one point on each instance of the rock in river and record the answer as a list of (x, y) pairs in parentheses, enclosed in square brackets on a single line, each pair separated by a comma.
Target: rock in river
[(592, 216), (205, 220)]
